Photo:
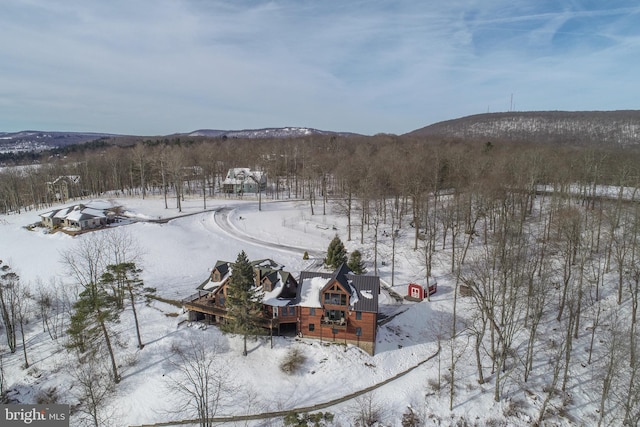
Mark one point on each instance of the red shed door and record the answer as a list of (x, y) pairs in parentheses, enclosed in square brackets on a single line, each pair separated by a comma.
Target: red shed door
[(415, 292)]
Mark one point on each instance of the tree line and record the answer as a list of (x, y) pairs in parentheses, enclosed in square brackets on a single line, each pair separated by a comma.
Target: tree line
[(525, 230), (315, 168)]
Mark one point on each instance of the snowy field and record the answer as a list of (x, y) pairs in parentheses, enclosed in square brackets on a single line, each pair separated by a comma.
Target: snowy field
[(178, 256)]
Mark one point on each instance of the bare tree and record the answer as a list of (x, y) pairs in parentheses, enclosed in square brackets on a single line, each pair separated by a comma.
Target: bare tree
[(369, 411), (9, 287), (93, 389), (54, 302), (202, 378), (23, 310), (613, 346)]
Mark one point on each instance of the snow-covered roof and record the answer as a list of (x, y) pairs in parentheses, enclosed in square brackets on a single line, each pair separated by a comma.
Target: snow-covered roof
[(80, 212), (240, 175), (354, 295), (367, 294), (98, 213), (211, 285), (79, 215), (272, 298), (310, 291), (62, 213), (49, 214)]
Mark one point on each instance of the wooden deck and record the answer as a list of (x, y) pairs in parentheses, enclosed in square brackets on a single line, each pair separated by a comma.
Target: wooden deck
[(206, 306)]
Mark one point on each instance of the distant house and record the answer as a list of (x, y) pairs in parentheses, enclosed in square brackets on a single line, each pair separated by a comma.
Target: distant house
[(278, 289), (94, 214), (244, 180), (63, 188), (418, 292), (339, 306)]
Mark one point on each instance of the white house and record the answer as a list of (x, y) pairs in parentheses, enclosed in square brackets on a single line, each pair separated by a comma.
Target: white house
[(244, 180), (94, 214)]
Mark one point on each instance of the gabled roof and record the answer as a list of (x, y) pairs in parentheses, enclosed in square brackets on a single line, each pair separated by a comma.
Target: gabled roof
[(363, 290), (81, 212), (273, 298), (340, 276), (268, 268), (49, 214), (223, 267), (240, 175)]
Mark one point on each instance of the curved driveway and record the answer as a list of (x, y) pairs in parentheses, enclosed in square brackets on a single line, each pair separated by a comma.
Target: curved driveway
[(222, 220)]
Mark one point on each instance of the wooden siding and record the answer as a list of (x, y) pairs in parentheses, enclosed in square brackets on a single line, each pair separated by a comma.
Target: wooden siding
[(346, 333)]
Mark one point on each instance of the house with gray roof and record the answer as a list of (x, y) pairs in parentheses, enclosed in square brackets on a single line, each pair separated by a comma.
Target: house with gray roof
[(244, 180), (339, 307), (93, 214), (277, 287)]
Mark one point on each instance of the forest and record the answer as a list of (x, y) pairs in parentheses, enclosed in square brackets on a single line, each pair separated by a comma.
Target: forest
[(533, 233)]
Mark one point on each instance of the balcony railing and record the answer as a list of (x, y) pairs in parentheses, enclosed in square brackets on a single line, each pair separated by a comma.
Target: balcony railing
[(340, 324), (204, 305)]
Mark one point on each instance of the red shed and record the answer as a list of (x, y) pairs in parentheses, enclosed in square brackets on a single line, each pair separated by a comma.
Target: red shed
[(420, 292)]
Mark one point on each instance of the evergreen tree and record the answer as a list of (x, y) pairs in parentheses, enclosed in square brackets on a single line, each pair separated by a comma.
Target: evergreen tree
[(336, 253), (355, 262), (244, 300), (93, 310), (127, 276)]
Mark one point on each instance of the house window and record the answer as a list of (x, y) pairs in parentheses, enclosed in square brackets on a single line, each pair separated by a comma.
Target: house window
[(358, 331), (334, 315), (312, 327), (358, 315), (312, 311), (221, 300), (275, 312), (335, 299), (292, 311)]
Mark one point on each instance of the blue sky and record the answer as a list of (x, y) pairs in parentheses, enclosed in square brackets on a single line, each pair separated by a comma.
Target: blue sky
[(164, 66)]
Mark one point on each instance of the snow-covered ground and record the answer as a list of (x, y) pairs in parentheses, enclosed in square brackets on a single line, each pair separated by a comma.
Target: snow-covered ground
[(178, 256)]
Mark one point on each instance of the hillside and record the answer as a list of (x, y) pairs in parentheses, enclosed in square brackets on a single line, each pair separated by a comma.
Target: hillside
[(620, 128), (284, 132), (35, 141)]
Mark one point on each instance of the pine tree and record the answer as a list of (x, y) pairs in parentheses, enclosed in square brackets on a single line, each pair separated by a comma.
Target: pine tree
[(336, 253), (93, 310), (127, 277), (355, 262), (244, 300)]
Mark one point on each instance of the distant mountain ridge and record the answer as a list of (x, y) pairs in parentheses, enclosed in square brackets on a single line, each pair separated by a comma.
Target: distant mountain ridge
[(33, 140), (30, 141), (618, 128), (284, 132)]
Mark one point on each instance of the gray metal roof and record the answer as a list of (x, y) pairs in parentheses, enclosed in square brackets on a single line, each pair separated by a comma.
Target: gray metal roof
[(367, 287)]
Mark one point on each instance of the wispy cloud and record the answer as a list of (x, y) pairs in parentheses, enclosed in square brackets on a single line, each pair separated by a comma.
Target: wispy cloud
[(153, 67)]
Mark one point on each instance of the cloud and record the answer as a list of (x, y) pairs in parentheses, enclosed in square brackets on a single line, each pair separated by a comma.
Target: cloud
[(153, 67)]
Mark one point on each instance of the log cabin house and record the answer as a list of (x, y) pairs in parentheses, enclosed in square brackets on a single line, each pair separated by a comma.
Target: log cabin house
[(339, 307), (279, 289)]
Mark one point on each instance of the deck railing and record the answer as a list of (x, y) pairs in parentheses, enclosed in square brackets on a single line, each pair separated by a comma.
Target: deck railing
[(340, 324)]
